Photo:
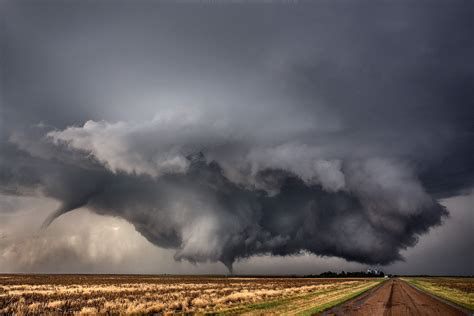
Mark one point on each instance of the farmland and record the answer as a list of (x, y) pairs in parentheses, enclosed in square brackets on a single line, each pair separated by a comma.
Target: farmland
[(457, 290), (91, 294)]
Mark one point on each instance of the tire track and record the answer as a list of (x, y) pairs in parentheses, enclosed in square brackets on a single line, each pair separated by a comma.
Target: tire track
[(388, 306)]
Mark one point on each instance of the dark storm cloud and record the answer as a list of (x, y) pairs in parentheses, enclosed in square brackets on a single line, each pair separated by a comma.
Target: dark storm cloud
[(207, 217), (230, 131)]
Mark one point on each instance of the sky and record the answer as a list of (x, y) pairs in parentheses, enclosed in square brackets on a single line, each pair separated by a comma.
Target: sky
[(254, 137)]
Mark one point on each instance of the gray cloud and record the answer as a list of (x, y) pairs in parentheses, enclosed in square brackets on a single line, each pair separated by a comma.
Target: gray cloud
[(206, 217), (105, 245), (331, 129)]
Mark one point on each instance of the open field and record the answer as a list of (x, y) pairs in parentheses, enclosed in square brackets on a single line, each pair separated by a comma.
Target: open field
[(90, 294), (457, 290)]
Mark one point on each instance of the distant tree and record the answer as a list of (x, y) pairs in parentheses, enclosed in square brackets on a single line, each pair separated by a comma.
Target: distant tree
[(358, 274)]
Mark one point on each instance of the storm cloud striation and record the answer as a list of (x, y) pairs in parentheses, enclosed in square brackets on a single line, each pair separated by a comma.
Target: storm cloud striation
[(332, 138)]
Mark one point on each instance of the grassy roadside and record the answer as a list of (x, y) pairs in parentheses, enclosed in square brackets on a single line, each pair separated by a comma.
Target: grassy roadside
[(331, 304), (262, 306), (456, 290), (304, 304)]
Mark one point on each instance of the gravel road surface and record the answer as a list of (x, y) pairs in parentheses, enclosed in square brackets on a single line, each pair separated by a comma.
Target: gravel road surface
[(395, 297)]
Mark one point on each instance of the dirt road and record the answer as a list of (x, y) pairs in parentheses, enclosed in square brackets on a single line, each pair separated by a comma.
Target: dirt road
[(395, 297)]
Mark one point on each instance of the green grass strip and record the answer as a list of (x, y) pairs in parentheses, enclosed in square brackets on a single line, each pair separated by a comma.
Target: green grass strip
[(331, 304), (435, 290), (281, 302), (265, 305)]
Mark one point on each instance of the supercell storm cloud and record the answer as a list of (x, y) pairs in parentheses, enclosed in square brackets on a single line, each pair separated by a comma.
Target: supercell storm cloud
[(225, 132)]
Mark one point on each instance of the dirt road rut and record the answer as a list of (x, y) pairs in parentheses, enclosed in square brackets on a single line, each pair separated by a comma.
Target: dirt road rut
[(395, 297)]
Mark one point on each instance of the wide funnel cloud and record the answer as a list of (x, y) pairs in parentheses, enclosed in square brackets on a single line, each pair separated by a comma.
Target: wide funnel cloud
[(336, 134)]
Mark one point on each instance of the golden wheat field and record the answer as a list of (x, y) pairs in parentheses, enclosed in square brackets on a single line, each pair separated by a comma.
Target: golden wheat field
[(132, 294)]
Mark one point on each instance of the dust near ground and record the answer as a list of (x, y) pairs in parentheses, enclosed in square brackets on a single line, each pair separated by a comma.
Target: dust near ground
[(395, 297)]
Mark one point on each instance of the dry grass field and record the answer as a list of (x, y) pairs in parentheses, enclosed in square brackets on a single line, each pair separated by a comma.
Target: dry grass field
[(131, 294), (457, 290)]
